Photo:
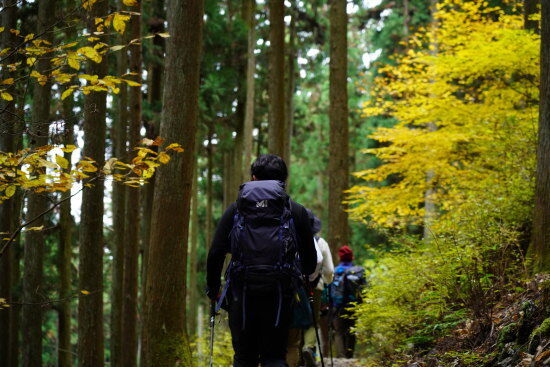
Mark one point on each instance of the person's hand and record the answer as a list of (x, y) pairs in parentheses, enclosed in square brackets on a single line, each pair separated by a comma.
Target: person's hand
[(213, 294)]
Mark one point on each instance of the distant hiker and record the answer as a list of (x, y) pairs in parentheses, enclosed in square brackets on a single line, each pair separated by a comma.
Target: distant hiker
[(271, 243), (322, 276), (345, 289), (302, 333)]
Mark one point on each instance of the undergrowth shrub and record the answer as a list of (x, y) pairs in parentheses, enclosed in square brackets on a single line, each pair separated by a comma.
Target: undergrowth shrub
[(464, 141)]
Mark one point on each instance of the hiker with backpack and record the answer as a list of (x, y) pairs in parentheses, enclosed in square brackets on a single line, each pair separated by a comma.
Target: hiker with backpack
[(323, 275), (349, 280), (302, 333), (271, 244)]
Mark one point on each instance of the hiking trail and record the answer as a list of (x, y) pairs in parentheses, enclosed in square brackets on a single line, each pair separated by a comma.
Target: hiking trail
[(342, 362)]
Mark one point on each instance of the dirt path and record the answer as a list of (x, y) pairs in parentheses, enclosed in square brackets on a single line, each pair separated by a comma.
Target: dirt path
[(342, 362)]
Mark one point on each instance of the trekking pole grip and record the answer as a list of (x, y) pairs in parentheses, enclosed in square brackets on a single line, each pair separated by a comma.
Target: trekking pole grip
[(212, 307)]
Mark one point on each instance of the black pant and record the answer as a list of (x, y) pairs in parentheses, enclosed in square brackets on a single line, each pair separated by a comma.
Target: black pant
[(260, 341), (344, 338)]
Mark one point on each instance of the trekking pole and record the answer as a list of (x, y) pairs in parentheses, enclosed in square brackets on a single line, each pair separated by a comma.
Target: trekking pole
[(330, 335), (330, 328), (212, 325), (315, 326)]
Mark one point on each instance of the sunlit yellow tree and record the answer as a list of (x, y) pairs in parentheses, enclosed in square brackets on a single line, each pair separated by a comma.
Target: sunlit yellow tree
[(468, 115), (481, 91)]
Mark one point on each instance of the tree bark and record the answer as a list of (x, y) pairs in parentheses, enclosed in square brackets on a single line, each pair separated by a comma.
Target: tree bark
[(131, 226), (531, 7), (209, 184), (541, 222), (33, 257), (66, 225), (90, 270), (193, 271), (249, 18), (119, 210), (165, 340), (7, 208), (276, 90), (430, 207), (291, 87), (338, 165), (156, 25)]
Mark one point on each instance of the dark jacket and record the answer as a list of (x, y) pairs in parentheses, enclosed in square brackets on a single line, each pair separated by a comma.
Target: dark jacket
[(221, 245)]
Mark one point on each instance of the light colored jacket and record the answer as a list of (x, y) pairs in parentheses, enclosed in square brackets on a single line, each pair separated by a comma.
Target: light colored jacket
[(325, 266)]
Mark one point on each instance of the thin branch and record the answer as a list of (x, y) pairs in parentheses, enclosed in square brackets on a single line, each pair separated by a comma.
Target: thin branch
[(20, 228)]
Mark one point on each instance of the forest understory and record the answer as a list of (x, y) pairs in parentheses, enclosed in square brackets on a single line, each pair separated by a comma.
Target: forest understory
[(417, 131), (516, 333)]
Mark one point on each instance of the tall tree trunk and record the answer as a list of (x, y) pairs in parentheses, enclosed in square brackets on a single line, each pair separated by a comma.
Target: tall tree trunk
[(291, 86), (66, 225), (156, 25), (131, 227), (193, 271), (406, 18), (430, 207), (237, 155), (165, 340), (17, 249), (541, 222), (209, 184), (90, 270), (227, 170), (119, 210), (531, 7), (338, 165), (33, 257), (277, 78), (249, 18), (15, 312), (8, 131)]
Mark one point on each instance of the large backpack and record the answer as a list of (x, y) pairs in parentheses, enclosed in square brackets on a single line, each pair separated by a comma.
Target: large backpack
[(263, 241), (347, 286)]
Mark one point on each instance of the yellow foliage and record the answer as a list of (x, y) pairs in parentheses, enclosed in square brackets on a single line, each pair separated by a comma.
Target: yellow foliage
[(39, 170), (119, 22), (465, 109)]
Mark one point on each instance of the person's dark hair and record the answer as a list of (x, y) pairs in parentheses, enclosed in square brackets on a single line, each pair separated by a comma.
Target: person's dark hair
[(269, 167)]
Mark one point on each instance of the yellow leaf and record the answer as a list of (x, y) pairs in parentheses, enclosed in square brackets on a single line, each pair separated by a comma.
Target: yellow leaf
[(132, 83), (90, 53), (130, 2), (88, 4), (31, 61), (91, 78), (6, 96), (163, 35), (68, 45), (69, 148), (67, 93), (119, 22), (84, 292), (164, 158), (175, 147), (10, 191), (8, 81), (117, 47), (63, 163), (35, 228), (73, 60)]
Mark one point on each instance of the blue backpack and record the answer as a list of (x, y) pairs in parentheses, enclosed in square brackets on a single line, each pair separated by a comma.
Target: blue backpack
[(263, 242), (346, 287)]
